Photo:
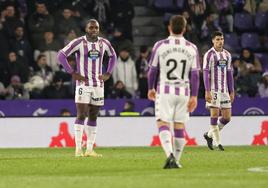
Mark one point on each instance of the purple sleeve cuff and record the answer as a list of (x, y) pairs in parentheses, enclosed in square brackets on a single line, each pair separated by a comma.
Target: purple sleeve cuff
[(194, 82), (63, 61), (206, 80), (111, 63), (152, 75), (230, 81)]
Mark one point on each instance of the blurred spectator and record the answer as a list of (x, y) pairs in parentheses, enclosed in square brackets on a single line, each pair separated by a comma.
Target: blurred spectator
[(11, 21), (16, 89), (191, 32), (43, 70), (254, 69), (119, 91), (22, 46), (56, 90), (120, 41), (4, 47), (197, 10), (125, 71), (223, 12), (50, 49), (142, 64), (208, 27), (100, 10), (16, 66), (263, 85), (122, 15), (65, 23), (129, 109), (2, 91), (39, 22), (65, 112), (71, 35)]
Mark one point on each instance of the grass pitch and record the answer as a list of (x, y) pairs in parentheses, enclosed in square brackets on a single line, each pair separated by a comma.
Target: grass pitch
[(133, 167)]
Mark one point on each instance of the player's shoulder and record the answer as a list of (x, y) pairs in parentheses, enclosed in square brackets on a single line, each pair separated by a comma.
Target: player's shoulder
[(161, 41), (189, 43), (102, 39), (226, 52), (209, 52)]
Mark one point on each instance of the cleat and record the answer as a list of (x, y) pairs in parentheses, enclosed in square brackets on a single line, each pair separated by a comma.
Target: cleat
[(79, 153), (209, 141), (92, 154), (220, 147), (171, 162)]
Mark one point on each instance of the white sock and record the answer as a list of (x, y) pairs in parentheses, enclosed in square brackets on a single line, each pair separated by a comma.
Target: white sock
[(214, 132), (165, 138), (91, 132), (78, 133), (179, 144)]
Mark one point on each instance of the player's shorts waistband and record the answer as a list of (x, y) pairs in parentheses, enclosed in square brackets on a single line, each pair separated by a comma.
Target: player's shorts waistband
[(167, 89)]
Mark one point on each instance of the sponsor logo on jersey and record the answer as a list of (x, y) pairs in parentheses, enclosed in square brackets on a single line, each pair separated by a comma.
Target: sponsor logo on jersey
[(222, 63), (93, 54)]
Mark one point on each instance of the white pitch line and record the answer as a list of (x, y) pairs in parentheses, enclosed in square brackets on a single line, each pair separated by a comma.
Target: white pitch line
[(258, 169)]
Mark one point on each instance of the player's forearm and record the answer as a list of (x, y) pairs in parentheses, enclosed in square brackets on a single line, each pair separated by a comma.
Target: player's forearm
[(206, 79), (230, 81), (111, 64), (152, 74), (63, 61), (194, 82)]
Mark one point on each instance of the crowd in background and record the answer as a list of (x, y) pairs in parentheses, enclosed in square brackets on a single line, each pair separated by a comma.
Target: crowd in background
[(32, 32)]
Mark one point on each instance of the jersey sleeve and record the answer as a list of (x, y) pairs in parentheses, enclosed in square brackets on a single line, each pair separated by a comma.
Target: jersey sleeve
[(196, 60), (154, 60), (71, 47), (112, 55)]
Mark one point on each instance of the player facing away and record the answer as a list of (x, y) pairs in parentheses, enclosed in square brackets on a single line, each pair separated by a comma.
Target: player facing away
[(219, 86), (89, 92), (176, 60)]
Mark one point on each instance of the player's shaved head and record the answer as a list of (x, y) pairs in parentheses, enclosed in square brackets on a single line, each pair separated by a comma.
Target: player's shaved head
[(177, 24), (92, 20)]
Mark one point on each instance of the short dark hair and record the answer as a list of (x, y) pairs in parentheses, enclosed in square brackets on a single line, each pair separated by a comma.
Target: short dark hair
[(216, 33), (177, 24)]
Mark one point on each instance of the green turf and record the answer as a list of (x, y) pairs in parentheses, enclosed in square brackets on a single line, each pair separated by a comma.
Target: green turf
[(133, 167)]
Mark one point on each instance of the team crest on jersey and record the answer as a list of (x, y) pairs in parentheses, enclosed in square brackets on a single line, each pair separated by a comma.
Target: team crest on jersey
[(93, 54), (222, 63)]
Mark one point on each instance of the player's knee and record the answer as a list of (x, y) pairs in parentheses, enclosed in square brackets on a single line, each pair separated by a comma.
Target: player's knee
[(225, 120), (81, 117)]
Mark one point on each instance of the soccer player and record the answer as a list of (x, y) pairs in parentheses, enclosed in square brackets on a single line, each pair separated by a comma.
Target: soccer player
[(175, 60), (89, 92), (219, 86)]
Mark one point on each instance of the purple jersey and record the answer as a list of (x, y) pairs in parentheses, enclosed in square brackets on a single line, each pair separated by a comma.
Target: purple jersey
[(217, 68), (89, 58)]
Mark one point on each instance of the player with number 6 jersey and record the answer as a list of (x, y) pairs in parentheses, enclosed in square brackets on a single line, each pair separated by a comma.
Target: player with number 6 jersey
[(176, 60)]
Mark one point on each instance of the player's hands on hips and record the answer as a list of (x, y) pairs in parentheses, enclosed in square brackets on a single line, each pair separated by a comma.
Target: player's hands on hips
[(77, 76), (105, 76), (192, 104), (208, 96), (232, 96), (151, 94)]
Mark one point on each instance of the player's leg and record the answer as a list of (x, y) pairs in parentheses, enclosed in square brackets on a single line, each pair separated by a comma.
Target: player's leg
[(91, 130), (213, 133), (79, 127), (225, 119), (179, 141), (97, 100)]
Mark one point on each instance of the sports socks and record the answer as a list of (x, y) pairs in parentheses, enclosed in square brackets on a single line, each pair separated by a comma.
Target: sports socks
[(179, 143), (165, 139), (214, 131), (78, 133), (91, 132)]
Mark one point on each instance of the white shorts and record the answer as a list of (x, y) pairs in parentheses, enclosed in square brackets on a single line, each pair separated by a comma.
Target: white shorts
[(89, 95), (220, 100), (171, 108)]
